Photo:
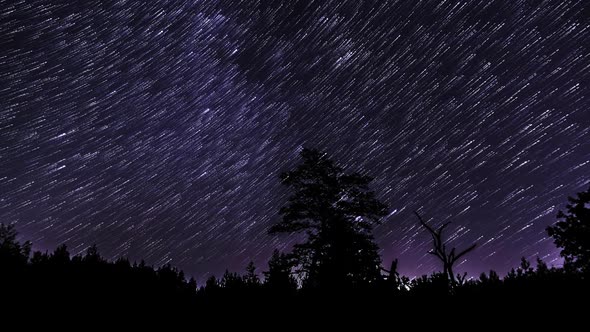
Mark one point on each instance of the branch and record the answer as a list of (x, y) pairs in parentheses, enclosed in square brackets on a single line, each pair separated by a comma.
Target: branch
[(425, 224), (464, 252), (439, 248), (443, 227), (452, 255), (436, 241)]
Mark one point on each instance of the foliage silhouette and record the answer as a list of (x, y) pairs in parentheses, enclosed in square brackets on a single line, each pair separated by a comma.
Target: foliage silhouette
[(12, 253), (336, 211), (86, 279), (251, 278), (279, 276), (572, 233)]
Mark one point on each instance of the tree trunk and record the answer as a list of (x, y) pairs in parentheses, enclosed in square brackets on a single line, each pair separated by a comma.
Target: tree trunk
[(448, 270)]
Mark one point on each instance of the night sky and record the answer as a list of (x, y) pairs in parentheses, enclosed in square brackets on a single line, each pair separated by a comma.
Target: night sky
[(157, 129)]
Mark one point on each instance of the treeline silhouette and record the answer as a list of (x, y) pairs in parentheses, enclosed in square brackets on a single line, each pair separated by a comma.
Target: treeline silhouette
[(339, 259)]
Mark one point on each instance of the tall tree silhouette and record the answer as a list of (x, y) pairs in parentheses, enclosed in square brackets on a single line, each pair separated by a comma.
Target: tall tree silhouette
[(14, 258), (440, 250), (11, 251), (251, 278), (337, 212), (572, 233), (279, 277)]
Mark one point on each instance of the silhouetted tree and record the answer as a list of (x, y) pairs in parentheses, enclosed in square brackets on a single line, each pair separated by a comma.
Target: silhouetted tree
[(278, 278), (251, 278), (434, 285), (92, 255), (572, 232), (440, 250), (393, 282), (493, 278), (212, 286), (11, 251), (192, 285), (61, 255), (231, 280), (337, 212), (57, 276)]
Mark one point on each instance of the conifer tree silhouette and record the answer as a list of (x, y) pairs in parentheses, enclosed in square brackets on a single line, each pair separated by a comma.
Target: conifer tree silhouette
[(336, 211), (572, 232)]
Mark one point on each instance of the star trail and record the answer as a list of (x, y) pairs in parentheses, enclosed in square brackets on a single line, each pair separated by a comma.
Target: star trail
[(156, 130)]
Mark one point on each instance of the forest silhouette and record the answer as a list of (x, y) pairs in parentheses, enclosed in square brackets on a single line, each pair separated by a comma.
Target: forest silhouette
[(338, 259)]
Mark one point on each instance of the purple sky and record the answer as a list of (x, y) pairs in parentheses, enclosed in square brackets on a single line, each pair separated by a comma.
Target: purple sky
[(157, 129)]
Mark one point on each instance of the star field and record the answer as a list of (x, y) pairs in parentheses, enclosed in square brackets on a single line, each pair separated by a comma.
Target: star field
[(157, 129)]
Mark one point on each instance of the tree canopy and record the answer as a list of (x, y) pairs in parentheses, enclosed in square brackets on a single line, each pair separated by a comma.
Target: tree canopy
[(336, 211), (572, 232)]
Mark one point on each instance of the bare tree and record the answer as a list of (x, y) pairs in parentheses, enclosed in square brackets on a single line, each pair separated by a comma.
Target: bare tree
[(440, 250)]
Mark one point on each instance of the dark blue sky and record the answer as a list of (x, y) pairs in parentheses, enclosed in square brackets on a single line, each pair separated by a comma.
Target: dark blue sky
[(157, 129)]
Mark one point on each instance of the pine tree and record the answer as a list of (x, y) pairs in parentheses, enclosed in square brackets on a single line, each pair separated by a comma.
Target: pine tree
[(278, 278), (572, 232), (11, 251), (251, 278), (337, 212)]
